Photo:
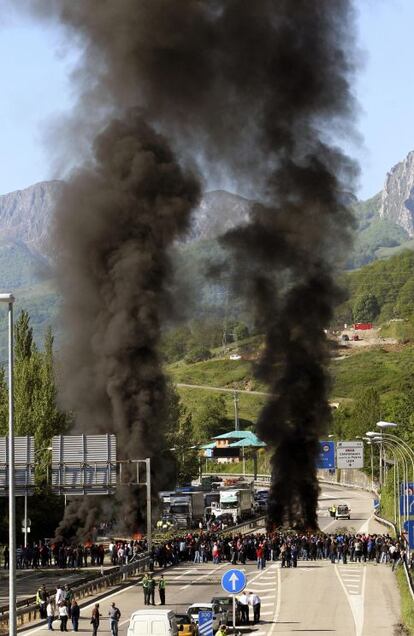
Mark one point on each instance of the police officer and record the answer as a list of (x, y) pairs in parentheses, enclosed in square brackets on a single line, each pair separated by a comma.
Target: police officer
[(161, 589), (146, 588), (151, 590)]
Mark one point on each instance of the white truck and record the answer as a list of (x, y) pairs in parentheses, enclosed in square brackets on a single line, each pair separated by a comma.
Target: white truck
[(187, 509), (237, 502)]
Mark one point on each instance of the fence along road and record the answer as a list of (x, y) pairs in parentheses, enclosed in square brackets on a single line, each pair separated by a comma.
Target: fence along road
[(317, 597)]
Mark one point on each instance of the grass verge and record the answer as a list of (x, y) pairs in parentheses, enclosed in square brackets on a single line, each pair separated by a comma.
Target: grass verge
[(407, 603)]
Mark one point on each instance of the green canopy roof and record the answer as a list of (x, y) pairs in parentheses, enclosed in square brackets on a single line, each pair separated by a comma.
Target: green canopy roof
[(242, 438), (248, 443)]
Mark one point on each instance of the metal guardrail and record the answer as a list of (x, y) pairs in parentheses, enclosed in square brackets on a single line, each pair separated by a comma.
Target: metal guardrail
[(405, 566), (246, 526), (264, 479), (91, 587)]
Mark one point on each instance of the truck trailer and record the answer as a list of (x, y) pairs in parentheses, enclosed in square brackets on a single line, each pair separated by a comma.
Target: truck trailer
[(237, 502), (187, 509)]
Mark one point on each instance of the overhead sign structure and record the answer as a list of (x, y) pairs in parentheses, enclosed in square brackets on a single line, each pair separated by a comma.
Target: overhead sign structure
[(409, 527), (23, 465), (233, 581), (350, 454), (403, 504), (205, 623), (84, 464), (407, 488), (326, 458)]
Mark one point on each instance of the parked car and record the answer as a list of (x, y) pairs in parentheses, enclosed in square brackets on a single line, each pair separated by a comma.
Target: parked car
[(215, 608), (226, 606), (152, 622), (185, 625)]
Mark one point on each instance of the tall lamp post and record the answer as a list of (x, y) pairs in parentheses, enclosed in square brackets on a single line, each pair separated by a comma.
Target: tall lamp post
[(25, 522), (9, 299), (397, 440)]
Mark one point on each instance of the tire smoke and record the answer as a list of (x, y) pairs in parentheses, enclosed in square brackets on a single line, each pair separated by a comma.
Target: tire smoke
[(254, 92)]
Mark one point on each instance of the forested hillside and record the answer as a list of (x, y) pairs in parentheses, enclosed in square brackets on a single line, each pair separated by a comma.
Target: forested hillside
[(380, 291)]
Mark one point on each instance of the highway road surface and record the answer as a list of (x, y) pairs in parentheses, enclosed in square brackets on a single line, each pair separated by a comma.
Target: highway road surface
[(314, 598)]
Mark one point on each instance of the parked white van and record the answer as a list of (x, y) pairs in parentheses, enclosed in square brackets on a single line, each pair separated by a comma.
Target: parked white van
[(155, 622)]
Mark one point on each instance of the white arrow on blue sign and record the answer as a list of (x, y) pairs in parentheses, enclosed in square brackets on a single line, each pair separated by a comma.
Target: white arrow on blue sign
[(233, 581)]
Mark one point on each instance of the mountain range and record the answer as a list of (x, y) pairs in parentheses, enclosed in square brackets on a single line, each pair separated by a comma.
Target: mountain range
[(384, 226)]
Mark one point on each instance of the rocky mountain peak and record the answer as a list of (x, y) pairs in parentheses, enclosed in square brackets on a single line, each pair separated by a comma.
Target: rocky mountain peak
[(25, 215), (397, 199)]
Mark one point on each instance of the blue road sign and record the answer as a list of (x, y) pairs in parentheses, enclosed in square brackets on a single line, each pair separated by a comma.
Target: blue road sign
[(376, 503), (410, 504), (326, 458), (404, 486), (233, 581), (205, 623), (409, 527)]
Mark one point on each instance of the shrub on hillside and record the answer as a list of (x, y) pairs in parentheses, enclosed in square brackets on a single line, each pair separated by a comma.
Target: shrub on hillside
[(198, 354)]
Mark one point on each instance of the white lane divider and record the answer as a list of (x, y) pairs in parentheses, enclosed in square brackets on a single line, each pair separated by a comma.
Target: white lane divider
[(278, 602), (206, 575), (355, 599)]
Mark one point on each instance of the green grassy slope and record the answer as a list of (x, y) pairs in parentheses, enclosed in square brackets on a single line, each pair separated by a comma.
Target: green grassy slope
[(386, 371), (222, 373)]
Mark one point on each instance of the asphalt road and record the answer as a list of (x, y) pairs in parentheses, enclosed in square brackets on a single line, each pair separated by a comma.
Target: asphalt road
[(315, 598)]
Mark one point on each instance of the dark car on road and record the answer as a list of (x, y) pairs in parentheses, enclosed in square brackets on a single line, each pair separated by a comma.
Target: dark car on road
[(226, 607)]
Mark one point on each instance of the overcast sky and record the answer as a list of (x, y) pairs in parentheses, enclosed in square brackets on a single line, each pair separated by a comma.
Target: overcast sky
[(36, 88)]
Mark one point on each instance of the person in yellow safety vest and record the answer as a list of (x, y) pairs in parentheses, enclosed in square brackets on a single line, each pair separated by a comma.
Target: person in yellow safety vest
[(222, 631), (161, 589), (146, 588), (41, 600), (332, 510), (159, 524)]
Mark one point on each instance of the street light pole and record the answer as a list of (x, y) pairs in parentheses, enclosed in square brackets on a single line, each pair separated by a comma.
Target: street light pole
[(149, 508), (9, 299)]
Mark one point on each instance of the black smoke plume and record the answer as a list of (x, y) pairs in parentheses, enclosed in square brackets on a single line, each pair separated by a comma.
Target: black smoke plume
[(116, 219), (254, 91)]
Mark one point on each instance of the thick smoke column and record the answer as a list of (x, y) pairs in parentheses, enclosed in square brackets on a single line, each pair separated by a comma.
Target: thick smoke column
[(253, 90), (117, 218)]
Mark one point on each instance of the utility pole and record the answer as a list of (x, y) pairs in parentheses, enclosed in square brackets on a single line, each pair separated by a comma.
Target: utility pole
[(236, 411), (149, 507)]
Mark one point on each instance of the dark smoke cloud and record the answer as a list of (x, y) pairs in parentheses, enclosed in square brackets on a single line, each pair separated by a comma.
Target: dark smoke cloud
[(255, 90)]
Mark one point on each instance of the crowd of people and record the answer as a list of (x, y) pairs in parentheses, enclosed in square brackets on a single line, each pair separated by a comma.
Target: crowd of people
[(43, 555), (284, 547), (63, 606), (200, 547)]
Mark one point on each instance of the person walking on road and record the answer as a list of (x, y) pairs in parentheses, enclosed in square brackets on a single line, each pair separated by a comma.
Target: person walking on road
[(60, 595), (95, 619), (50, 614), (74, 615), (63, 615), (146, 589), (41, 600), (161, 589), (68, 598), (254, 602), (114, 616)]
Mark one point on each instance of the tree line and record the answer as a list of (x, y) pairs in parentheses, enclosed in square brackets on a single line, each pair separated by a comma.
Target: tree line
[(380, 291)]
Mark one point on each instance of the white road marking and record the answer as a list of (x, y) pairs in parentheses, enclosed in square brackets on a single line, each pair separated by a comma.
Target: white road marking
[(177, 578), (278, 602), (204, 576), (355, 600)]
